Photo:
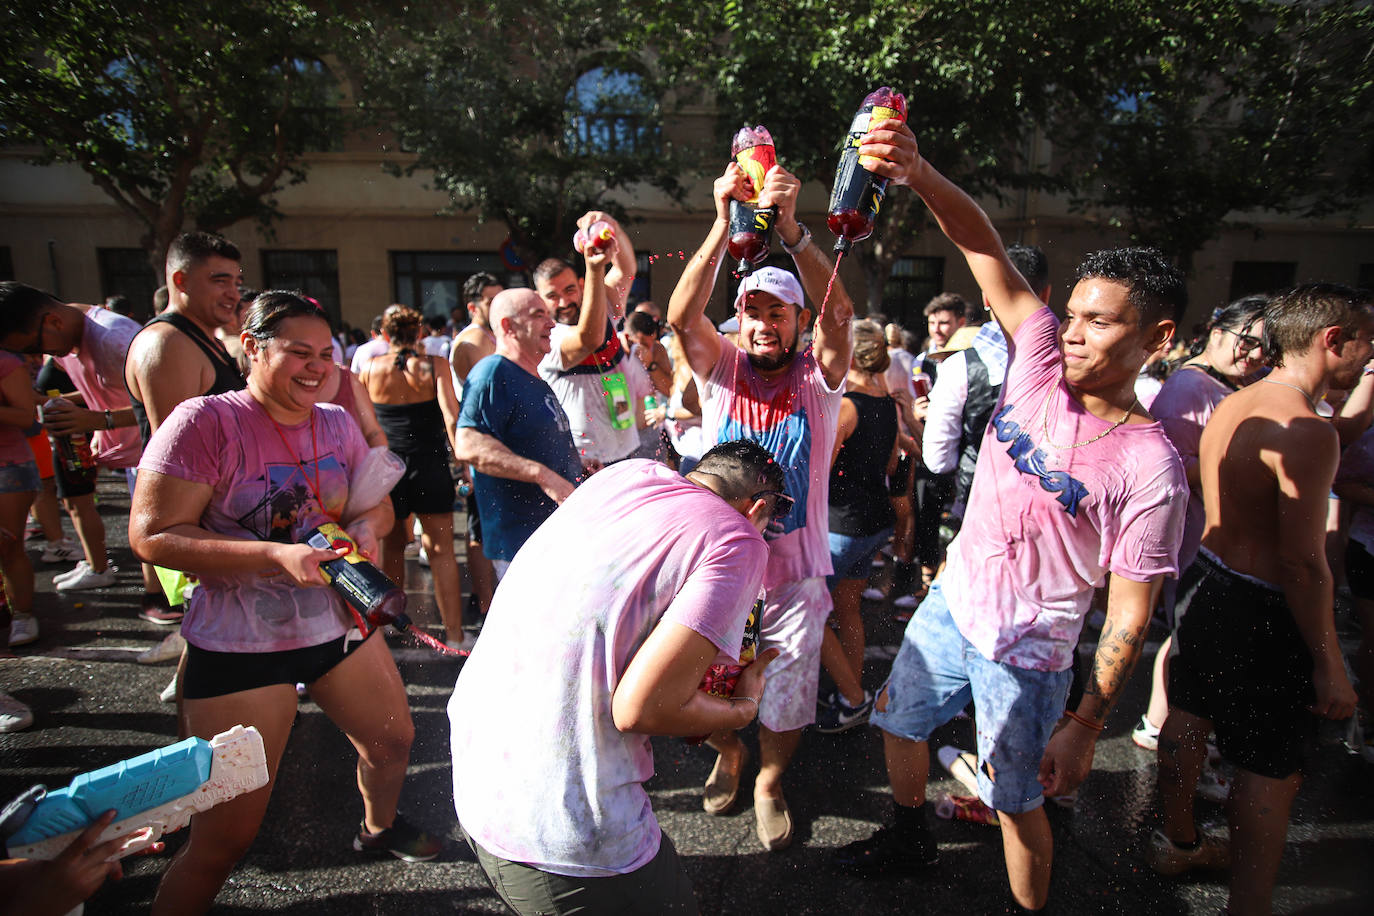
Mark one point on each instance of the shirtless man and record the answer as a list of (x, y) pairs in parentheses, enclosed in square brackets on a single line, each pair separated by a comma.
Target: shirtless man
[(476, 342), (176, 356), (1257, 659)]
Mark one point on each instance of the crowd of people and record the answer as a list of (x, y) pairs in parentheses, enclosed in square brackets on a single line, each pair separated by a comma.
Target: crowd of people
[(672, 528)]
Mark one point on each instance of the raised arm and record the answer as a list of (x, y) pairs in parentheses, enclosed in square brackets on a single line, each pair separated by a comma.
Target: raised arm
[(687, 307), (832, 341), (961, 219), (591, 321), (620, 273)]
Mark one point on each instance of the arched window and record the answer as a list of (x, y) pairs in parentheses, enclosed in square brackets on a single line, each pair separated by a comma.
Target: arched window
[(612, 113)]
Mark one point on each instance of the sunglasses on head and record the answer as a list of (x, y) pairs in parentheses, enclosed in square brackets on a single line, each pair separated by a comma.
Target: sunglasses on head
[(782, 503)]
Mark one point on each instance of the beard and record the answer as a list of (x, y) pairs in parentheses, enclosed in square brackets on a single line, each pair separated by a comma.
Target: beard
[(769, 363)]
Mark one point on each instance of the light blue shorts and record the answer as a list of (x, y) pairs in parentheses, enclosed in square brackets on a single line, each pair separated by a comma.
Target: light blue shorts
[(850, 554), (937, 671)]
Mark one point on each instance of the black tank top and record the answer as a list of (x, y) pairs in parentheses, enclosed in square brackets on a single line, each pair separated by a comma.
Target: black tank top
[(413, 428), (859, 502), (227, 375)]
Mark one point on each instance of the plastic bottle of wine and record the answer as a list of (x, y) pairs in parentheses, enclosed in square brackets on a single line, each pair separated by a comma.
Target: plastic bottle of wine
[(858, 193)]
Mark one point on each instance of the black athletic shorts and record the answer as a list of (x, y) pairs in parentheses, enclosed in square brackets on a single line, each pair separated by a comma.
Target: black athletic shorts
[(72, 484), (216, 674), (1359, 571), (426, 488), (1239, 661)]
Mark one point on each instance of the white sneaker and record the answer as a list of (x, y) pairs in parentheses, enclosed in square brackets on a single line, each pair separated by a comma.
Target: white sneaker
[(87, 578), (23, 630), (1145, 735), (63, 551), (1213, 785), (74, 571), (171, 647), (14, 715), (873, 594), (169, 693)]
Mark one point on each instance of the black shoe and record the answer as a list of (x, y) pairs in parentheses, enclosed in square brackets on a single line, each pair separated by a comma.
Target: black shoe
[(401, 839), (886, 854)]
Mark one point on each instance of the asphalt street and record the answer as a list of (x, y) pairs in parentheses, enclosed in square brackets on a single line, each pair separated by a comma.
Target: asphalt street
[(94, 705)]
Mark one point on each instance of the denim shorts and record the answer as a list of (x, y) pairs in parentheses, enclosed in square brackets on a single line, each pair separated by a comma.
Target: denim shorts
[(850, 554), (937, 671), (19, 478)]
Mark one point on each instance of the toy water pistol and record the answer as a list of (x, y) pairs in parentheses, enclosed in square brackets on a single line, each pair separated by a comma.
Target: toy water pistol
[(597, 236), (153, 794)]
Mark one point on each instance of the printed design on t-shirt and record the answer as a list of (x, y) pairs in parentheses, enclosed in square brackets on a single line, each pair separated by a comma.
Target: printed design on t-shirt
[(780, 425), (288, 489), (1029, 459), (555, 409)]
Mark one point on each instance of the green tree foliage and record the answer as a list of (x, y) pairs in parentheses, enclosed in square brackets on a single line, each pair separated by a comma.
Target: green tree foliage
[(182, 111), (1232, 107), (495, 98)]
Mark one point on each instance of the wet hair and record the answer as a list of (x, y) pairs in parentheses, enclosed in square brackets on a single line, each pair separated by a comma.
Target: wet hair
[(190, 248), (1032, 264), (21, 306), (1239, 316), (402, 325), (947, 302), (272, 307), (1155, 288), (870, 347), (473, 285), (642, 323), (549, 268), (1293, 318), (744, 468)]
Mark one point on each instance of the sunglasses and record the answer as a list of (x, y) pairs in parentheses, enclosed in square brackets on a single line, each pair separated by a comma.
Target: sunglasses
[(782, 503)]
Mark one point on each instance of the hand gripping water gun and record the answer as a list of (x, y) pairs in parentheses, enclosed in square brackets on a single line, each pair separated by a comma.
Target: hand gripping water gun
[(597, 236), (153, 794)]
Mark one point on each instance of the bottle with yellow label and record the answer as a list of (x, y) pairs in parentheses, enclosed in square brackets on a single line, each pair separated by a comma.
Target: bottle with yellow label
[(858, 193), (366, 588)]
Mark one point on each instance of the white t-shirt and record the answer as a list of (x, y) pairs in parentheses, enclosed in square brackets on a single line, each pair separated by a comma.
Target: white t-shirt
[(541, 775), (374, 347), (584, 401)]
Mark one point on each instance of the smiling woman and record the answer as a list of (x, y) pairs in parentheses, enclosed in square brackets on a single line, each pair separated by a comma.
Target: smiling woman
[(227, 488)]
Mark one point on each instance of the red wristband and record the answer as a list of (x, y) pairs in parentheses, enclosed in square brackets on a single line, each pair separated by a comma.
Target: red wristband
[(1081, 720)]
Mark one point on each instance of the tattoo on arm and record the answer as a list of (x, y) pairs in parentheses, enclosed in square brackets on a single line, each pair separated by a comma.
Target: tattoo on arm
[(1117, 652)]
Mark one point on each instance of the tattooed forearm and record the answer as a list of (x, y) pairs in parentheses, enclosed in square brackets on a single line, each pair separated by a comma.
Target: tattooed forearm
[(1117, 651)]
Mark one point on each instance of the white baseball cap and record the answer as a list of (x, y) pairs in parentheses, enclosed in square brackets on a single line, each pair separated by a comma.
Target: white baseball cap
[(773, 280)]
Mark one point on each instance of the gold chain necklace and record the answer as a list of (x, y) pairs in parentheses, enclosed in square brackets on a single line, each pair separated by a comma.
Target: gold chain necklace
[(1045, 426)]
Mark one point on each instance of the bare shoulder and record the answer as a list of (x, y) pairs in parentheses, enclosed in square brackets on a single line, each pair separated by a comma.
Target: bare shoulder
[(161, 347)]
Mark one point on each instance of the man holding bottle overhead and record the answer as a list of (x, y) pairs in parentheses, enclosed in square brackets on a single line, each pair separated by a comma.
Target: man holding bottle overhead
[(787, 400), (1076, 485)]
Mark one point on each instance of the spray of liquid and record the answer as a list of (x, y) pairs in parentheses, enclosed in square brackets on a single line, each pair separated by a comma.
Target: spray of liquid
[(442, 648), (831, 285)]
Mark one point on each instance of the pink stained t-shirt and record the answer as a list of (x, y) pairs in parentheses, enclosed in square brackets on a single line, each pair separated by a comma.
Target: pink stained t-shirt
[(264, 479), (97, 370), (541, 775), (794, 416), (1045, 525), (1183, 407)]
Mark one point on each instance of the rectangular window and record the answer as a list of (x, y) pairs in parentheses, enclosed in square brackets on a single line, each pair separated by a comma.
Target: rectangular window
[(127, 272), (1250, 277), (431, 282), (314, 273), (913, 283)]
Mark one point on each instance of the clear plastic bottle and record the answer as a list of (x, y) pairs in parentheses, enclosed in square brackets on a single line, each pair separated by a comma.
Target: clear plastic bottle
[(751, 226)]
